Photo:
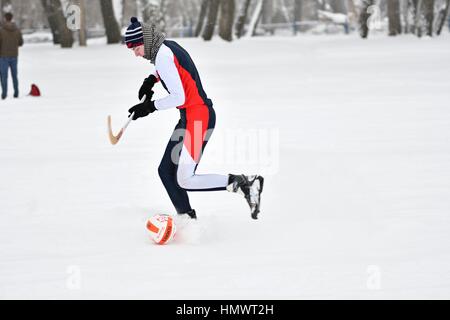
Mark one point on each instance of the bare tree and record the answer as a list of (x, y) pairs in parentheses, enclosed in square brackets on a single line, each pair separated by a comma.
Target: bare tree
[(267, 14), (414, 17), (393, 10), (256, 16), (428, 12), (227, 8), (442, 16), (109, 20), (52, 21), (213, 12), (297, 14), (82, 35), (240, 23), (418, 17), (61, 34), (201, 17), (364, 18), (405, 4)]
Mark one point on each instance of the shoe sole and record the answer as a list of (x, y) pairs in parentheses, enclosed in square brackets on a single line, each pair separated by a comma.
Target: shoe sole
[(261, 187)]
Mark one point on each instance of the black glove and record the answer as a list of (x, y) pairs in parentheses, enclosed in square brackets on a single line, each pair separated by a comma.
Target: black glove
[(147, 86), (142, 109)]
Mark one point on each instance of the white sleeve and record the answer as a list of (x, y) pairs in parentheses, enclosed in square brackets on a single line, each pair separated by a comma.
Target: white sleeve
[(168, 72)]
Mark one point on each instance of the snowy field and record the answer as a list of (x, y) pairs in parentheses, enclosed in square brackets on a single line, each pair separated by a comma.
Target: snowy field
[(356, 201)]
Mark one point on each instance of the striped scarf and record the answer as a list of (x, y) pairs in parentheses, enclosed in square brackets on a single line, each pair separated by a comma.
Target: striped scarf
[(153, 40)]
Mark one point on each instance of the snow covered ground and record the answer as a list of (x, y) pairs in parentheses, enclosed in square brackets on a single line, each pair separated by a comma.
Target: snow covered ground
[(357, 196)]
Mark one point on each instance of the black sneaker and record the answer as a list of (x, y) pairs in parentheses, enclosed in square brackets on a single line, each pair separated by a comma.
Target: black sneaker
[(191, 214), (250, 187)]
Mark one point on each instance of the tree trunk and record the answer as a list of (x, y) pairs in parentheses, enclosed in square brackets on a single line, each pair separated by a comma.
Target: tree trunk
[(418, 6), (82, 36), (412, 9), (201, 17), (227, 8), (297, 14), (129, 9), (212, 19), (405, 12), (256, 16), (267, 14), (52, 21), (61, 34), (395, 27), (428, 11), (109, 20), (442, 17), (240, 23), (364, 18)]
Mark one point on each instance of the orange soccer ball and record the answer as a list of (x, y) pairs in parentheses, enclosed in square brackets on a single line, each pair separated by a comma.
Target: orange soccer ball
[(162, 228)]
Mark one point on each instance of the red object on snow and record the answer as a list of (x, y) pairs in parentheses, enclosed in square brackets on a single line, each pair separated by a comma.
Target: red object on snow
[(35, 92)]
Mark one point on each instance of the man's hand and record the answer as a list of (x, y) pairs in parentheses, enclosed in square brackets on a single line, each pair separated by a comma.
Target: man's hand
[(142, 109), (147, 86)]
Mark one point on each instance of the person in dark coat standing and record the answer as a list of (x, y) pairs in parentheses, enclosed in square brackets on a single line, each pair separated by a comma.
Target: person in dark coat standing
[(10, 41)]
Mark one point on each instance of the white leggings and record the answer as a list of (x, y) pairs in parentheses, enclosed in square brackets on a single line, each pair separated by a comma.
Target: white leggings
[(187, 179)]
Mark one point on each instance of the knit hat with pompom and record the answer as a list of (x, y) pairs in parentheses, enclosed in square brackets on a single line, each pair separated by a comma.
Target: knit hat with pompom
[(134, 36)]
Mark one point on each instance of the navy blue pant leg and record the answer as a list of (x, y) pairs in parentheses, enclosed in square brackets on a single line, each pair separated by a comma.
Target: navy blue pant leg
[(168, 169)]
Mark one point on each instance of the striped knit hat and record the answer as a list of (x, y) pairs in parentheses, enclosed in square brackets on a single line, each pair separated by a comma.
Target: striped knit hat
[(134, 36)]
